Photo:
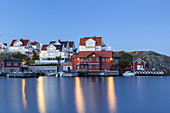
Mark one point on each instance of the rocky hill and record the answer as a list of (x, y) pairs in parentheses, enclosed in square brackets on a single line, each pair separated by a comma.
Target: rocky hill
[(154, 60)]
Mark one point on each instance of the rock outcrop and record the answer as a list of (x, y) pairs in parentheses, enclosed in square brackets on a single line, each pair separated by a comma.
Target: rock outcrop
[(154, 60)]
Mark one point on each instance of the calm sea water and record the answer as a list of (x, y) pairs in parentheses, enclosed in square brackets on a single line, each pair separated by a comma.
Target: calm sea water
[(85, 95)]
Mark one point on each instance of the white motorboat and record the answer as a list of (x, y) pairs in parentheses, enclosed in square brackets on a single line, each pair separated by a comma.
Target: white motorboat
[(128, 73)]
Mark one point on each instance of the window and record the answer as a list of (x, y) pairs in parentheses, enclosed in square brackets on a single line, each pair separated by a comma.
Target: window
[(8, 64), (90, 59), (51, 54), (103, 66), (97, 59), (103, 59), (107, 59), (139, 61), (85, 59), (85, 66), (15, 64), (90, 66), (82, 59), (51, 48), (75, 59), (107, 66), (97, 66), (74, 65), (82, 66)]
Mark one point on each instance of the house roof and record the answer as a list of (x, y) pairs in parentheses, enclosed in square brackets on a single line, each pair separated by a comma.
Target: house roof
[(100, 53), (97, 39), (58, 47), (137, 60), (71, 43), (34, 43), (24, 42), (12, 60), (67, 64), (74, 56)]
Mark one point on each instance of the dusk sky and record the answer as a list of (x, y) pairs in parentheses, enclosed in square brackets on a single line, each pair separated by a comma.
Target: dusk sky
[(129, 25)]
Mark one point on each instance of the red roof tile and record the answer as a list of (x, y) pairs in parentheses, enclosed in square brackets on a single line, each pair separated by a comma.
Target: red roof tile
[(74, 56), (34, 43), (44, 47), (97, 39), (100, 53), (24, 42)]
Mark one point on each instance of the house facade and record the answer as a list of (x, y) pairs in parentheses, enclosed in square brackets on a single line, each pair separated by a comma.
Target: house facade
[(93, 60), (22, 46), (12, 64), (36, 46), (3, 47), (52, 51), (91, 44), (138, 65), (68, 46)]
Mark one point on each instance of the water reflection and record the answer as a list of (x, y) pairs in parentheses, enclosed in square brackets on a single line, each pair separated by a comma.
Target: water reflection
[(111, 96), (41, 95), (24, 94), (79, 97)]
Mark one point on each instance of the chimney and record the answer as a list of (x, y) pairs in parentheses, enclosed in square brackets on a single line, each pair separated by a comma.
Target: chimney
[(59, 40)]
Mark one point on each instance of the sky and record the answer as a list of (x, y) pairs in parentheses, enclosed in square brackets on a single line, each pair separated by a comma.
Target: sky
[(128, 25)]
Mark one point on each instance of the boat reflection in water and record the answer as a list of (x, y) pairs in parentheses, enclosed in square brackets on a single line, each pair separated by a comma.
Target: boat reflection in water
[(111, 96), (24, 94), (41, 95), (79, 97)]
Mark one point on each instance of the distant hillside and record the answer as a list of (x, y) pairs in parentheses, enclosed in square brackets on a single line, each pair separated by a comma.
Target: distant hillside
[(154, 60)]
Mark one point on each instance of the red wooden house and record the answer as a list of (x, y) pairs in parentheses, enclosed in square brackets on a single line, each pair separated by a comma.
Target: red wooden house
[(92, 60), (12, 64), (137, 65)]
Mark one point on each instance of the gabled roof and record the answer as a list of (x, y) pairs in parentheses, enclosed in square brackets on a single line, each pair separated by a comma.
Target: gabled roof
[(34, 43), (12, 60), (137, 60), (97, 39), (108, 54), (58, 47), (24, 42), (71, 43)]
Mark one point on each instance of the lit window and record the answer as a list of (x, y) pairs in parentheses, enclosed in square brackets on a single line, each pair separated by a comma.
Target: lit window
[(51, 48), (97, 59), (103, 66), (90, 66), (97, 66), (15, 64), (107, 59), (51, 54), (107, 66), (90, 59), (8, 64), (46, 54), (103, 59)]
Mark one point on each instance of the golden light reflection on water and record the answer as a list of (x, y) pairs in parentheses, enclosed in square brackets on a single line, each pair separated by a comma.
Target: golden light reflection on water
[(41, 95), (111, 96), (23, 94), (79, 97)]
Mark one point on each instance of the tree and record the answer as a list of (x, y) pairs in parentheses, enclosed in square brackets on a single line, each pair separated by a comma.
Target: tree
[(125, 60), (58, 64)]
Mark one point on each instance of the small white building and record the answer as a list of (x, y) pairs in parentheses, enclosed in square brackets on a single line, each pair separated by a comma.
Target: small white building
[(3, 47), (67, 67), (22, 46), (91, 44)]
